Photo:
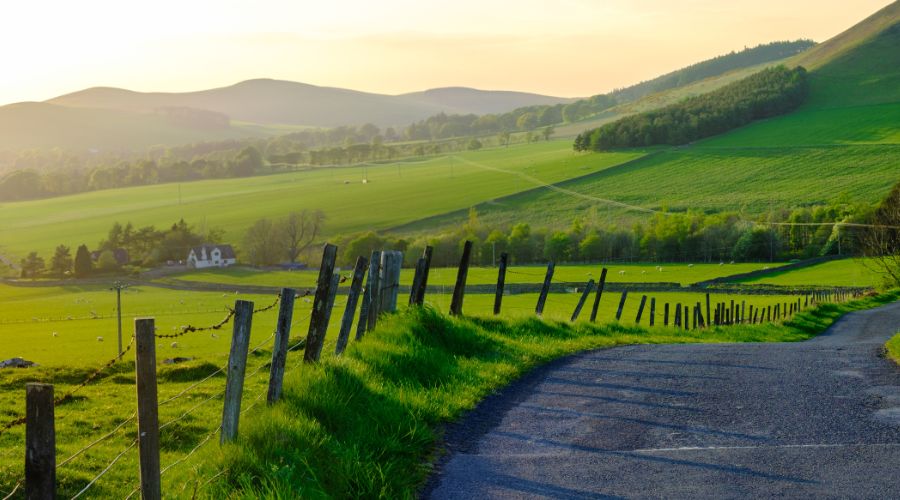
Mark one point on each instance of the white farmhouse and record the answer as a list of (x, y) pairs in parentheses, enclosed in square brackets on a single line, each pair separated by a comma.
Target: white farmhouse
[(211, 256)]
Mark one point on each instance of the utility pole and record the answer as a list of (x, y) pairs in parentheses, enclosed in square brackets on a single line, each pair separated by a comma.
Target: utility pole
[(118, 286)]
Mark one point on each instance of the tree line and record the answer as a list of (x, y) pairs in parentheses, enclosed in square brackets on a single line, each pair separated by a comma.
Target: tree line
[(770, 92)]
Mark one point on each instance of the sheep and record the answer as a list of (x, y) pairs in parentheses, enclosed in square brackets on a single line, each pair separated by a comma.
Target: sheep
[(622, 273), (690, 265), (643, 272), (213, 335), (99, 339), (55, 334), (174, 345)]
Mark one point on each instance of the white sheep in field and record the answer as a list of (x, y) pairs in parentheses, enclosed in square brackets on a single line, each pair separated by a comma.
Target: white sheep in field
[(621, 273), (690, 265), (55, 334), (174, 345), (213, 335), (99, 339), (721, 263)]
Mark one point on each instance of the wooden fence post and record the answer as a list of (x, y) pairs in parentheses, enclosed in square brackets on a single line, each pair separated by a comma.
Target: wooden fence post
[(652, 311), (147, 409), (280, 347), (237, 366), (40, 442), (584, 295), (365, 310), (600, 285), (359, 271), (423, 282), (640, 312), (417, 278), (329, 308), (545, 289), (666, 314), (391, 262), (459, 291), (677, 321), (621, 304), (501, 282), (318, 321), (708, 315)]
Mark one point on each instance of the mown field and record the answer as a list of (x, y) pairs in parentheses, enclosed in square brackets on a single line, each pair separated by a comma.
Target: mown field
[(680, 272), (396, 193), (844, 272)]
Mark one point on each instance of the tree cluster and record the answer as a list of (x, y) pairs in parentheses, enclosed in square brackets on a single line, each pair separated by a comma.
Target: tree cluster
[(269, 242), (770, 92)]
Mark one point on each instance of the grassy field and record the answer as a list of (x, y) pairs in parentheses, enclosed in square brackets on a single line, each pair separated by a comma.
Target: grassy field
[(396, 193), (845, 272), (617, 273), (365, 425)]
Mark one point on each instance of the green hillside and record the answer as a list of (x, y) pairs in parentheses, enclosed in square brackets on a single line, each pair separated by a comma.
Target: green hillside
[(397, 193), (843, 143)]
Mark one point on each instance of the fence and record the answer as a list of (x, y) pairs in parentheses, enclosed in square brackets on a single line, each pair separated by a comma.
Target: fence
[(379, 295)]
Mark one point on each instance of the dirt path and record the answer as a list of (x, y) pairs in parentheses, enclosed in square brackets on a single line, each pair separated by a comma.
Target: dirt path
[(813, 419)]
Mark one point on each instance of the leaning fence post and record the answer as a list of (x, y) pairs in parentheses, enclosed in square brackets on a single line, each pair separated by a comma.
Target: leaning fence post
[(584, 295), (640, 312), (318, 321), (423, 281), (280, 349), (501, 282), (600, 285), (147, 409), (359, 270), (417, 278), (621, 304), (545, 289), (459, 291), (366, 310), (40, 442), (237, 366)]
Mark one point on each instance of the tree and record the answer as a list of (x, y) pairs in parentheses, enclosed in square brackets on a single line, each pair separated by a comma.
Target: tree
[(83, 265), (474, 144), (247, 162), (107, 261), (503, 138), (261, 246), (61, 263), (299, 230), (548, 132), (527, 121), (32, 265), (881, 242)]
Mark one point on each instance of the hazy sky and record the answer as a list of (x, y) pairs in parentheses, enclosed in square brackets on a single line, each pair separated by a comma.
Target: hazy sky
[(559, 47)]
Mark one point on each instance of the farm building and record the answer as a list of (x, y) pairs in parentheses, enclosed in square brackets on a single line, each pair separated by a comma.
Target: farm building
[(211, 256)]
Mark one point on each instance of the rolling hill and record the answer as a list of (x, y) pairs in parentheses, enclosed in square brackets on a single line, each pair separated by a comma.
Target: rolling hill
[(843, 143), (267, 101)]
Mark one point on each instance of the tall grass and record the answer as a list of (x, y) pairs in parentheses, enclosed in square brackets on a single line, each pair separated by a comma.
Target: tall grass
[(367, 424)]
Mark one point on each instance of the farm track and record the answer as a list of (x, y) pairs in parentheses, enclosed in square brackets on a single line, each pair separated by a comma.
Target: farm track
[(814, 419)]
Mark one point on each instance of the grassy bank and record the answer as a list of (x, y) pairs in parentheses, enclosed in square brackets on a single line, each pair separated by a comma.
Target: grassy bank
[(367, 424), (893, 348)]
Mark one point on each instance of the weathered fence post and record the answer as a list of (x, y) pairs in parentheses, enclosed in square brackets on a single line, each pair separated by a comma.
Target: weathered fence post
[(600, 285), (359, 271), (366, 317), (237, 366), (40, 441), (147, 409), (329, 307), (423, 281), (621, 304), (391, 262), (545, 289), (417, 278), (318, 321), (640, 312), (501, 282), (652, 311), (584, 295), (459, 291), (700, 322), (280, 347), (708, 315), (677, 321), (666, 314)]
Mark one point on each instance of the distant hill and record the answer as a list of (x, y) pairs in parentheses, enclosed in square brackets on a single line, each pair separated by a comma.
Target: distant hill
[(282, 102)]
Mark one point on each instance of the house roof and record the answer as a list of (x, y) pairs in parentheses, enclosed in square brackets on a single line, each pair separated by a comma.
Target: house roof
[(227, 251)]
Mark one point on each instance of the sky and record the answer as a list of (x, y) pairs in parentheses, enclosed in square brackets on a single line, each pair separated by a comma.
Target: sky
[(568, 48)]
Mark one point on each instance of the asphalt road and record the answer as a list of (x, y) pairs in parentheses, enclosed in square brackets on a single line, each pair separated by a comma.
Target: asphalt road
[(814, 419)]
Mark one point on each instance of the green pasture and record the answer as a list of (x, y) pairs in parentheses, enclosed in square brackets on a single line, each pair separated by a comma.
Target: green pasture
[(844, 272), (893, 348), (396, 193), (681, 273)]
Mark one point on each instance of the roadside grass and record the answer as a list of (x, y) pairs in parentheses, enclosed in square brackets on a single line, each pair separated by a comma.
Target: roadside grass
[(893, 348), (367, 424)]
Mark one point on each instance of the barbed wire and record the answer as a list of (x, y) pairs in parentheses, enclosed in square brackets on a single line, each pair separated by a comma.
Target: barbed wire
[(190, 328), (105, 470), (15, 489), (96, 442)]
